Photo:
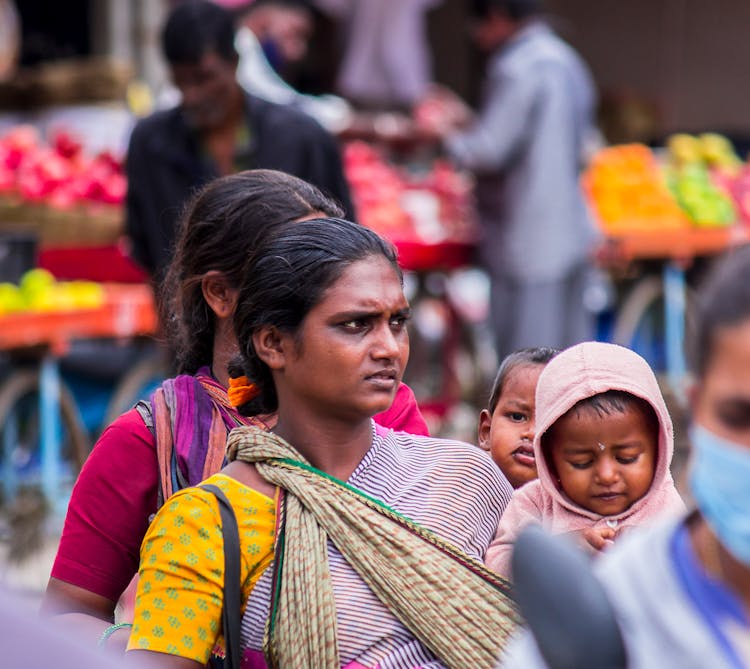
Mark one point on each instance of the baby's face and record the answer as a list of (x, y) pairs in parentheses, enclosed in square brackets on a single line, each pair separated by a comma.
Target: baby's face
[(508, 434), (604, 463)]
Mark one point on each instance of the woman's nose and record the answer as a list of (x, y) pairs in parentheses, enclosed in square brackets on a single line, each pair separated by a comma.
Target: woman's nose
[(387, 345)]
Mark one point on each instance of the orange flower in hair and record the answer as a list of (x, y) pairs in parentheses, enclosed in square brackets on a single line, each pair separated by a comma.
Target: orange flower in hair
[(241, 390)]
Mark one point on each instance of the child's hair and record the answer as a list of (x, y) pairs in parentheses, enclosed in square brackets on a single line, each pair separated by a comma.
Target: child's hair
[(723, 301), (525, 356), (607, 403), (284, 278)]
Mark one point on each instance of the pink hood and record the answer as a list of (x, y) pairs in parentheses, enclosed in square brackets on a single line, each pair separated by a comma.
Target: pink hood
[(577, 373)]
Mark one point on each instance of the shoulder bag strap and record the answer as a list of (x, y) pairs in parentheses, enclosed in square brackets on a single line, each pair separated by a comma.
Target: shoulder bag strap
[(230, 614)]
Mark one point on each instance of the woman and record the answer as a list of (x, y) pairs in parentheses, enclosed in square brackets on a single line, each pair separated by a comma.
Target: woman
[(180, 438), (681, 592), (373, 538)]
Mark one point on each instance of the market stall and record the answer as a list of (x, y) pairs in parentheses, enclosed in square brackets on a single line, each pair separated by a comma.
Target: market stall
[(38, 324), (673, 207)]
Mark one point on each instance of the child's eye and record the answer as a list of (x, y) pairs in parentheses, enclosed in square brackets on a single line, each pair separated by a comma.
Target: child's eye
[(516, 416), (627, 460), (581, 465)]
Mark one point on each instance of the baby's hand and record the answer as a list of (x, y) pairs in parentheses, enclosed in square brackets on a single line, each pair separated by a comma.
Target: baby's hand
[(599, 538)]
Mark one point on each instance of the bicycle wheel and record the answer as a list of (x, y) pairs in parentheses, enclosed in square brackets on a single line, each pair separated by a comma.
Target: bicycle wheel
[(136, 385), (20, 433)]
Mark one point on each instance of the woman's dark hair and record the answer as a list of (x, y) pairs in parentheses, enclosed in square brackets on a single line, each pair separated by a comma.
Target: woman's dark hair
[(525, 356), (518, 10), (195, 28), (723, 301), (286, 277), (219, 229)]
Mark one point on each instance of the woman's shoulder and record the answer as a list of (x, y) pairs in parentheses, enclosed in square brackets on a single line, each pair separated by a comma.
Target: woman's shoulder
[(238, 492), (126, 444), (444, 451)]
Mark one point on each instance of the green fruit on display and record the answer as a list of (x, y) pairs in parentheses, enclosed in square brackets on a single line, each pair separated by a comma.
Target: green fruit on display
[(11, 298), (704, 203), (36, 280)]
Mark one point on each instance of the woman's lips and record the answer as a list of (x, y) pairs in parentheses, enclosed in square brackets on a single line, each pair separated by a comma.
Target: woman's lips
[(385, 380)]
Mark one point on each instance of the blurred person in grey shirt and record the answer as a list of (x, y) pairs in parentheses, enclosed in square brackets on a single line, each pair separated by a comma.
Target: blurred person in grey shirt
[(525, 146)]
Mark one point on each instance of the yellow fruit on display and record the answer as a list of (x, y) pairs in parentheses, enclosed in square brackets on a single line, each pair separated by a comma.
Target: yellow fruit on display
[(719, 152), (685, 149), (39, 291)]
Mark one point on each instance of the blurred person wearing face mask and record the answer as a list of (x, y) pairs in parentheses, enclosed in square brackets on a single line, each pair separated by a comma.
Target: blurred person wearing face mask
[(216, 129), (681, 591), (272, 34)]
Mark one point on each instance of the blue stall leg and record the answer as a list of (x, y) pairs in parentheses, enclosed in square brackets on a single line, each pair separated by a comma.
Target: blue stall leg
[(50, 430), (674, 326)]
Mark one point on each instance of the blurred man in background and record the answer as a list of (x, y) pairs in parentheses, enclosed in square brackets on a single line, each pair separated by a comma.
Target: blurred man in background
[(525, 146), (216, 129), (271, 35)]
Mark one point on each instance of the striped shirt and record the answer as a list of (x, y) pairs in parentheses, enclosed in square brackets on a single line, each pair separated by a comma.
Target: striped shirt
[(449, 487)]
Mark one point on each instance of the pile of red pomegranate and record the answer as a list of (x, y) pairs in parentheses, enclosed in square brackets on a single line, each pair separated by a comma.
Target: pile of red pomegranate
[(58, 174), (430, 206)]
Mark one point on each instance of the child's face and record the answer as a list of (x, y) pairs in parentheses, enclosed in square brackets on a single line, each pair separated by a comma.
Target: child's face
[(604, 463), (508, 433)]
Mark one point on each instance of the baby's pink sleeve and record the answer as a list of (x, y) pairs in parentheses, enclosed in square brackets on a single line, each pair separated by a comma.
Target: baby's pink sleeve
[(521, 511)]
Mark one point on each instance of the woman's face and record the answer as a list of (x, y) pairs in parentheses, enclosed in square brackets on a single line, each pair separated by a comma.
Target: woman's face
[(721, 401), (349, 355)]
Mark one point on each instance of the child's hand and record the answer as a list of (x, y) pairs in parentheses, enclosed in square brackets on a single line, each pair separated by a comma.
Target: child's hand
[(599, 538)]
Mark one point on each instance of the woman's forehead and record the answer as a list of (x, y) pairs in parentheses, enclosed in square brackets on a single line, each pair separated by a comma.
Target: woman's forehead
[(371, 280)]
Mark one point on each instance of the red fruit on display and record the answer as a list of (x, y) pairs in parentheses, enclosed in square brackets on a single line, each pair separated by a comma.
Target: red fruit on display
[(59, 175)]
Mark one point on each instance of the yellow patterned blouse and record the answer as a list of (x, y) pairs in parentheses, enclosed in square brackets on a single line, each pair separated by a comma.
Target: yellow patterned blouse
[(180, 591)]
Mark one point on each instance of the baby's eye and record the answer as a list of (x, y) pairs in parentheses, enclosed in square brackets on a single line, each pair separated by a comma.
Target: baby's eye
[(581, 465), (627, 459), (516, 416)]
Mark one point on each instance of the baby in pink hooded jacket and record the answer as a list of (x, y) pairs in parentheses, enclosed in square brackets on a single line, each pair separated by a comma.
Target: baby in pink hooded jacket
[(603, 448)]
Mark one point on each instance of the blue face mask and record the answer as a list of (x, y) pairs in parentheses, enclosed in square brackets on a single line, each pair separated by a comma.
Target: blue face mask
[(720, 483), (272, 53)]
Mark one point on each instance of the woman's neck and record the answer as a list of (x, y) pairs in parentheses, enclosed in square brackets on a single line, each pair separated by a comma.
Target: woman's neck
[(225, 348), (335, 448)]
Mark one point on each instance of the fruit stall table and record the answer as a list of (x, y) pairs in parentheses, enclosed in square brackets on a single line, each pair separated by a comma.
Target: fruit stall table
[(669, 207), (126, 311), (675, 250)]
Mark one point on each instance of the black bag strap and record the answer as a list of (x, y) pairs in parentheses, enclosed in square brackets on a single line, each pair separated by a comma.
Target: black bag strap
[(230, 613)]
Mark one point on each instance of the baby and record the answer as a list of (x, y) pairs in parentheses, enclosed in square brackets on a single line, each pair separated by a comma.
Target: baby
[(603, 448), (506, 426)]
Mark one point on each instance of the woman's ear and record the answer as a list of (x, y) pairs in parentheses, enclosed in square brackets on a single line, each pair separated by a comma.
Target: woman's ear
[(268, 342), (219, 295)]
